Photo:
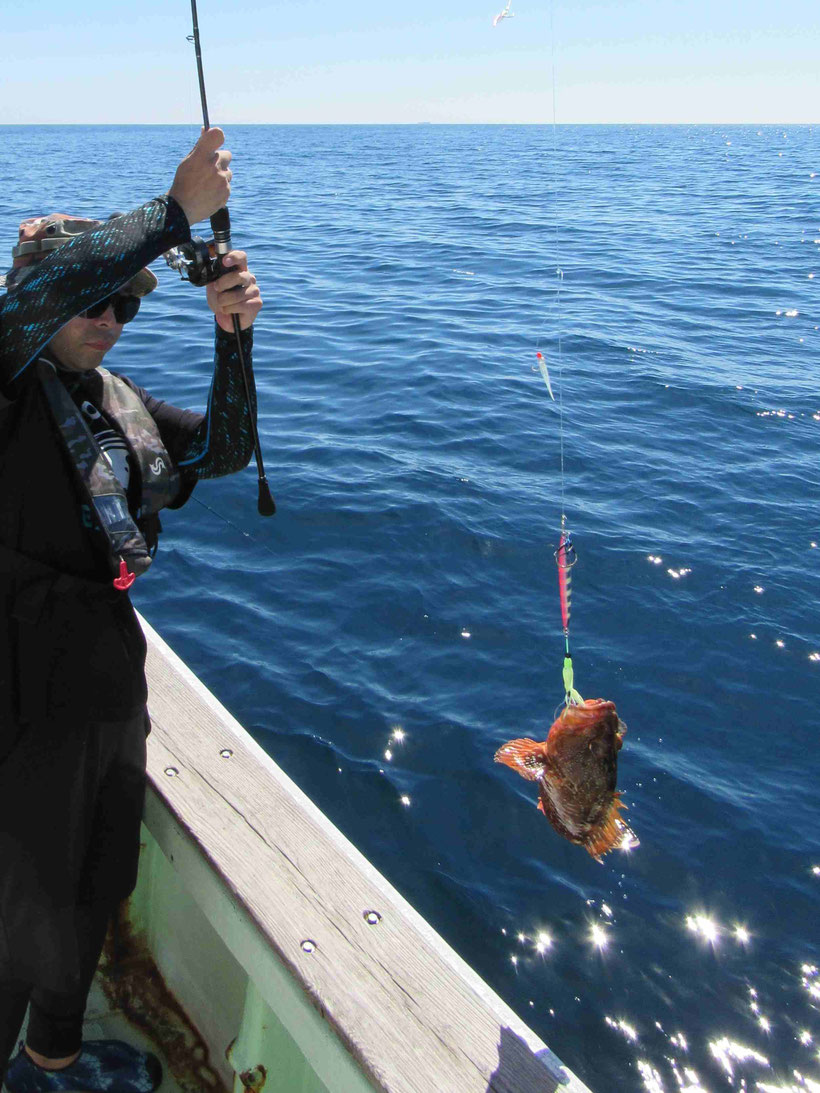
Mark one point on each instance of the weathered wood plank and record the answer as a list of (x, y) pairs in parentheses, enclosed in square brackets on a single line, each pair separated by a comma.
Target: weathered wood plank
[(409, 1010)]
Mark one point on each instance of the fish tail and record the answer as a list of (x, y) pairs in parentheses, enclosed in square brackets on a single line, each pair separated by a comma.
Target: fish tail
[(613, 833), (525, 756)]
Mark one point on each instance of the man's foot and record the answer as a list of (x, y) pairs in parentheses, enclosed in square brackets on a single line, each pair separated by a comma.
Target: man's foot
[(103, 1066)]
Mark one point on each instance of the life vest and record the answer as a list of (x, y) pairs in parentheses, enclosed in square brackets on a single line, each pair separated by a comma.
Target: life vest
[(129, 552)]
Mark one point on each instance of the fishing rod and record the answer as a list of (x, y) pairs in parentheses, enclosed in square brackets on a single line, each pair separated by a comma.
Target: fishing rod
[(221, 227)]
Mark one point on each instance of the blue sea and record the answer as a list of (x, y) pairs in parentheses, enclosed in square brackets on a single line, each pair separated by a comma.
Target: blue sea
[(398, 619)]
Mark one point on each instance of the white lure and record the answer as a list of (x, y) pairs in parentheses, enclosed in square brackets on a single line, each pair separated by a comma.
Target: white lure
[(542, 364)]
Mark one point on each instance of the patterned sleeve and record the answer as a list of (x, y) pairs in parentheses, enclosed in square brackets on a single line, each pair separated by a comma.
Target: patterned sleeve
[(220, 441), (223, 443), (81, 273)]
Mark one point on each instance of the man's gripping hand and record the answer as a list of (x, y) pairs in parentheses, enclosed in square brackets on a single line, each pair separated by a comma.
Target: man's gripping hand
[(202, 183), (235, 293)]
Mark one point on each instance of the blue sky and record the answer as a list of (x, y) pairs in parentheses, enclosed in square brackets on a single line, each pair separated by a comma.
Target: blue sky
[(321, 61)]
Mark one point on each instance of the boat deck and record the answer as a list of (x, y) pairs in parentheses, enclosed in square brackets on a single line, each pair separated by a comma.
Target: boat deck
[(103, 1022)]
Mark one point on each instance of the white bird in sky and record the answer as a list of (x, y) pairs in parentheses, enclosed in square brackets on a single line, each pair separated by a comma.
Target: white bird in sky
[(505, 14)]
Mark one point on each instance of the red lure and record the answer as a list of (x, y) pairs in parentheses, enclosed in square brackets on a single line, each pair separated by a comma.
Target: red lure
[(566, 558)]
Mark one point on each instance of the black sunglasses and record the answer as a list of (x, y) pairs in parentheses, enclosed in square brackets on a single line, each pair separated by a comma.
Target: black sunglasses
[(125, 307)]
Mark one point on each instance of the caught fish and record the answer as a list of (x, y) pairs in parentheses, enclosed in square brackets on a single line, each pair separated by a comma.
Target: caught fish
[(576, 768)]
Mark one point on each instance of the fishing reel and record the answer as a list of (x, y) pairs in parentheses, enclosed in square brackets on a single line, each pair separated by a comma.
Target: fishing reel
[(197, 261)]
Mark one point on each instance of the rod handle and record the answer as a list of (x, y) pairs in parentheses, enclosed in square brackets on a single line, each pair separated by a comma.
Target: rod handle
[(265, 504)]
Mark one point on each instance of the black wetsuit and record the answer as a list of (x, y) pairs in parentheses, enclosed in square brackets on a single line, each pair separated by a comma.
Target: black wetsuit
[(72, 684)]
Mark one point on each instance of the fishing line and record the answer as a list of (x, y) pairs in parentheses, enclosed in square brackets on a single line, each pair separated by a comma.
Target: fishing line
[(236, 527), (559, 277), (559, 273), (565, 555)]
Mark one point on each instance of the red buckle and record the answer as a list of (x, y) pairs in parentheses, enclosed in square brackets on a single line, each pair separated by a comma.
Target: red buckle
[(125, 579)]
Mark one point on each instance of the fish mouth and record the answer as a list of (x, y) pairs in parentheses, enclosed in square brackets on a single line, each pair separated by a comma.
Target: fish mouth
[(583, 715)]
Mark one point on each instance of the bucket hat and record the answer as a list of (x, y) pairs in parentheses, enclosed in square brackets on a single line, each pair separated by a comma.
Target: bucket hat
[(39, 235)]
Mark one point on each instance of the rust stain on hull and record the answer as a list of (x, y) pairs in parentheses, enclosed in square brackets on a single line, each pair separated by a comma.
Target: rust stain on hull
[(133, 985)]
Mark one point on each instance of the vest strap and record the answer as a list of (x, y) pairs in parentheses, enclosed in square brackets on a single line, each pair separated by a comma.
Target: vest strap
[(101, 487), (160, 478)]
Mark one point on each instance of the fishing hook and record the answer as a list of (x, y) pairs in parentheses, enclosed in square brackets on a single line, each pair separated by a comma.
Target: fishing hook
[(566, 556)]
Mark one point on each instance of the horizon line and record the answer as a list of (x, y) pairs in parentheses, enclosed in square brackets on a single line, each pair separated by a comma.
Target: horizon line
[(542, 124)]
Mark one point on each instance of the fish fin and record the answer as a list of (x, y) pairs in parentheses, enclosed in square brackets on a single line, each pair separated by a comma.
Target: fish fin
[(525, 756), (612, 833)]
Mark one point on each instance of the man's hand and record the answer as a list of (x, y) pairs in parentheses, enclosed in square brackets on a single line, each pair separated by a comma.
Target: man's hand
[(235, 293), (202, 183)]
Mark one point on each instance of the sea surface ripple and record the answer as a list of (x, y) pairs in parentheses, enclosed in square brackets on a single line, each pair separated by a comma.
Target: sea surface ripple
[(407, 582)]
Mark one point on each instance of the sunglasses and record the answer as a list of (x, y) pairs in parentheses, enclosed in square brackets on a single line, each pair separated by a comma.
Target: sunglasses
[(125, 308)]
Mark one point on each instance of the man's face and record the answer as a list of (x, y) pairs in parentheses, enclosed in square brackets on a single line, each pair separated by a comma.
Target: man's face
[(82, 343)]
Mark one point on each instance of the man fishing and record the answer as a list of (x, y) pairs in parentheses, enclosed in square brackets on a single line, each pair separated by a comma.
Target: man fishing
[(87, 461)]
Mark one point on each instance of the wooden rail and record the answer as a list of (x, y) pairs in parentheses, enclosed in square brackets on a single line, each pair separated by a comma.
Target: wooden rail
[(371, 995)]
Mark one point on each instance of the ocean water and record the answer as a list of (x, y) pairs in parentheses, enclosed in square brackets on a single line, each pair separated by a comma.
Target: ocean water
[(398, 619)]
